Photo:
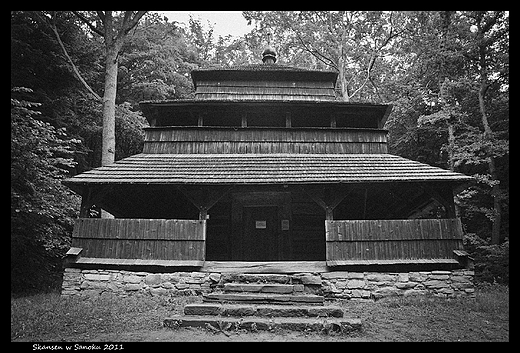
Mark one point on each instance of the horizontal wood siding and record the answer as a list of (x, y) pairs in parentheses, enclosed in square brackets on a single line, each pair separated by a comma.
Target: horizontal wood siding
[(392, 239), (150, 239), (207, 140)]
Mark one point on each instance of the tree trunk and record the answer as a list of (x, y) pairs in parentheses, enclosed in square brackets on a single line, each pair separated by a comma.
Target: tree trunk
[(488, 133), (495, 189), (109, 106), (342, 82), (114, 39), (108, 144)]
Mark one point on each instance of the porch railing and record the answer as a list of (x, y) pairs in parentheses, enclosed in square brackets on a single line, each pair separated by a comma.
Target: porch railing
[(347, 241), (373, 241), (146, 239)]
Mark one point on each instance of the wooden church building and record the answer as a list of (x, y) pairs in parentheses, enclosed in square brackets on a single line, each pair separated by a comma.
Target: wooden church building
[(266, 168)]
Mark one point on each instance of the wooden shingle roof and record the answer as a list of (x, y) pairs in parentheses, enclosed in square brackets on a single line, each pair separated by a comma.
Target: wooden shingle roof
[(262, 169), (262, 72)]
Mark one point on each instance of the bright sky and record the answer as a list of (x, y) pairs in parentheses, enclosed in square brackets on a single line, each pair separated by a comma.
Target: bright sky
[(225, 22)]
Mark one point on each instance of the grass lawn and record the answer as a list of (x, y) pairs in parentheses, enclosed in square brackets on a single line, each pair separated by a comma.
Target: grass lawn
[(48, 317)]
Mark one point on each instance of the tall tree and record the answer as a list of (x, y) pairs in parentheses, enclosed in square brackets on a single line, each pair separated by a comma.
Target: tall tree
[(489, 28), (453, 90), (114, 31), (353, 43)]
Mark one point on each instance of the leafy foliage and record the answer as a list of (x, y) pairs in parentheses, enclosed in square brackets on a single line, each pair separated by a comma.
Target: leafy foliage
[(42, 210)]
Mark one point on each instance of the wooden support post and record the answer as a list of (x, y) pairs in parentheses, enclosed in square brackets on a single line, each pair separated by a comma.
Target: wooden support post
[(86, 203), (204, 199), (200, 119), (203, 213), (329, 213), (90, 197), (328, 198), (333, 120), (288, 122), (444, 196), (365, 203)]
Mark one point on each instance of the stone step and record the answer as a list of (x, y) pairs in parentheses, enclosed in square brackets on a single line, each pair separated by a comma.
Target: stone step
[(262, 310), (263, 298), (303, 278), (257, 278), (263, 288), (218, 323)]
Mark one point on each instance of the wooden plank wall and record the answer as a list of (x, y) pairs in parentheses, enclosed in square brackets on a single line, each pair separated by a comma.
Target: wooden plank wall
[(250, 140), (150, 239), (392, 239), (265, 90)]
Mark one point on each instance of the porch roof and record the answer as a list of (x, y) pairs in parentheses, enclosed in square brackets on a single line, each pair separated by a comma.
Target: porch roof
[(264, 169)]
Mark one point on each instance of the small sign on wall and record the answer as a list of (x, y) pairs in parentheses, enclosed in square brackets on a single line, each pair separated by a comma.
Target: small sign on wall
[(261, 224), (285, 224)]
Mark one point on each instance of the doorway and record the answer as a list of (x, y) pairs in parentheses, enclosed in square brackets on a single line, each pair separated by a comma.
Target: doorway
[(261, 233), (260, 225)]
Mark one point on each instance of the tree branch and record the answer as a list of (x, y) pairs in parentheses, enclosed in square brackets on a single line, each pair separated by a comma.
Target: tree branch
[(369, 71), (88, 23), (317, 54), (376, 89), (130, 22), (74, 68)]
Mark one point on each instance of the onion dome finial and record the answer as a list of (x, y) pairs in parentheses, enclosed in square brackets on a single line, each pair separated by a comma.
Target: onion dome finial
[(269, 54)]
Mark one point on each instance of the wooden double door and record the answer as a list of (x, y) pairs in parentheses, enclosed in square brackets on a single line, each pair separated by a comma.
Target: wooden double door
[(261, 226), (261, 233)]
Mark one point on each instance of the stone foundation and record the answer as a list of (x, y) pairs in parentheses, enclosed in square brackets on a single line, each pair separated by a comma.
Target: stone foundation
[(376, 285), (343, 285)]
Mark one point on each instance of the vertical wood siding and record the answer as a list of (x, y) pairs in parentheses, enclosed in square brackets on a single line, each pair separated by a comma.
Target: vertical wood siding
[(149, 239), (233, 140), (266, 90), (392, 239)]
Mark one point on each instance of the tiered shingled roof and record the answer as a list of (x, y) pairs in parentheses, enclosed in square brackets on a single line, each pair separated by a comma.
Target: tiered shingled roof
[(263, 169), (281, 88)]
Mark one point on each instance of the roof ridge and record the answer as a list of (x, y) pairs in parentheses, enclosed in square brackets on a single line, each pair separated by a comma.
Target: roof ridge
[(260, 67)]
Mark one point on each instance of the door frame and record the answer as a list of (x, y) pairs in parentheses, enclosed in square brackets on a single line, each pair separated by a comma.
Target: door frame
[(279, 199)]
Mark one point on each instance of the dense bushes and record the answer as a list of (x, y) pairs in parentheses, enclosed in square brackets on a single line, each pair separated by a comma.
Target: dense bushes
[(42, 209), (491, 261)]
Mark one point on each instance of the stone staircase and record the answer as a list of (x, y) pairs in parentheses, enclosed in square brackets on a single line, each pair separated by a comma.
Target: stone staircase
[(267, 302)]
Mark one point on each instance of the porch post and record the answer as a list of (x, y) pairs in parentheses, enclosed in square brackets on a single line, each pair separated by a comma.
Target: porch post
[(328, 198), (203, 213), (443, 195), (89, 197), (329, 213), (204, 199), (86, 202)]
